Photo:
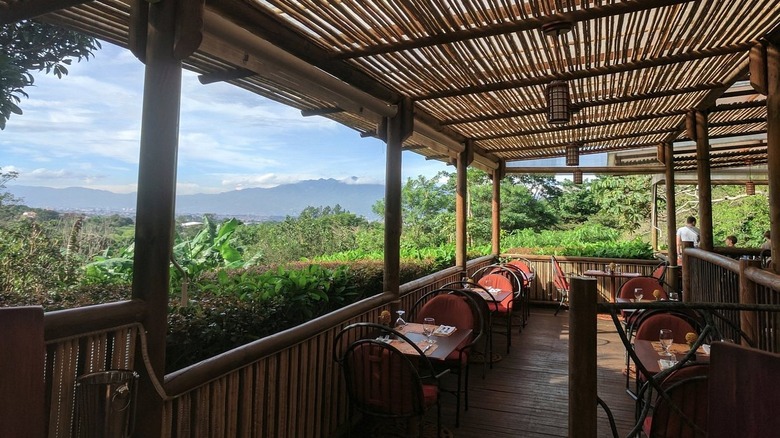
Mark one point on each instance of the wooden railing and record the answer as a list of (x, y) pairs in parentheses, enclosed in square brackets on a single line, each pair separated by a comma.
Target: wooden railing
[(739, 292), (285, 385), (542, 288), (81, 341)]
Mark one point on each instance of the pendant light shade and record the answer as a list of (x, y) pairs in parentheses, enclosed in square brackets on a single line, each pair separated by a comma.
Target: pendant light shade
[(558, 103), (750, 188), (577, 177), (573, 155)]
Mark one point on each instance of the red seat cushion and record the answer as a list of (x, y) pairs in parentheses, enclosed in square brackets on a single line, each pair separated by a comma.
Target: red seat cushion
[(430, 394)]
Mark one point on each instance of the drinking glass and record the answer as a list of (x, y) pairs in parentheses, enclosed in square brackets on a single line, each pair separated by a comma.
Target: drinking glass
[(638, 294), (666, 338), (674, 296), (429, 325), (400, 323)]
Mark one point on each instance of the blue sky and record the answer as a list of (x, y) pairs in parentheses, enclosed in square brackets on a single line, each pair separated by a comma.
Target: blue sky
[(83, 130)]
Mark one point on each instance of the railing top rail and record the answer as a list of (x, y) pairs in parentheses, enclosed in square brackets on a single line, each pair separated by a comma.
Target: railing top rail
[(71, 322), (546, 258), (714, 258), (195, 375)]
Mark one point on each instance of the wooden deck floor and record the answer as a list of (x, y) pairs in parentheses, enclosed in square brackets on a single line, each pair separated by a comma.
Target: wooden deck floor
[(526, 392)]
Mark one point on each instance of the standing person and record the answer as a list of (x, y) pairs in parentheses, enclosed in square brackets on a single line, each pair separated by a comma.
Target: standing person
[(688, 233), (731, 241)]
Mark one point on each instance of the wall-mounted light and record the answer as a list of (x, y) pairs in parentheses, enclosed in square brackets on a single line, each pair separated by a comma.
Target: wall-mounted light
[(573, 154), (558, 103)]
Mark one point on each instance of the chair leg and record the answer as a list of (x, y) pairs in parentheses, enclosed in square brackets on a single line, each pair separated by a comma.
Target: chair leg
[(508, 331), (457, 399), (466, 389)]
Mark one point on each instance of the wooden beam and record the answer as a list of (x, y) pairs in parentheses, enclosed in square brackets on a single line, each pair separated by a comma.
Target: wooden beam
[(226, 75), (597, 170), (589, 73), (22, 10), (495, 209), (320, 112), (671, 208), (585, 104), (448, 36)]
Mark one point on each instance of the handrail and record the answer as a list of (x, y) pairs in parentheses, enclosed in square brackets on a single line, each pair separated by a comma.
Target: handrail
[(71, 322), (714, 258)]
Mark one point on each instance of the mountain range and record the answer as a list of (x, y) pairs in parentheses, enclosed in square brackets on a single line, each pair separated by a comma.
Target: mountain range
[(259, 203)]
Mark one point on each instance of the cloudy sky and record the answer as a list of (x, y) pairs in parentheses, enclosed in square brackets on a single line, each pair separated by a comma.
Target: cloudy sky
[(83, 130)]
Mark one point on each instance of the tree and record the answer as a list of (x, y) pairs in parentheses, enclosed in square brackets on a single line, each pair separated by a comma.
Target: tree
[(29, 46), (7, 198)]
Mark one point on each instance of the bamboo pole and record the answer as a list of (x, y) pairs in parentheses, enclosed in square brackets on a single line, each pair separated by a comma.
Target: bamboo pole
[(583, 377)]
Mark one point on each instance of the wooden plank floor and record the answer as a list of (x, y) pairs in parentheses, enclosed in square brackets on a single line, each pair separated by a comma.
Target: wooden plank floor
[(526, 392)]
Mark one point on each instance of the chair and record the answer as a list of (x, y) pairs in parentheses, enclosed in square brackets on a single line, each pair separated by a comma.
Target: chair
[(648, 286), (456, 308), (681, 410), (383, 382), (648, 327), (502, 308), (529, 276), (561, 284), (473, 289), (660, 271)]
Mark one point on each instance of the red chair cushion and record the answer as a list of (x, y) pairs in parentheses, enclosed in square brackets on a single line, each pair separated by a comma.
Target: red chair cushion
[(430, 394)]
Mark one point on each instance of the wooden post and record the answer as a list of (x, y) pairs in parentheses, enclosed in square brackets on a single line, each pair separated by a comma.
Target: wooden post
[(671, 213), (461, 220), (496, 210), (398, 128), (748, 320), (156, 202), (704, 181), (686, 272), (583, 380), (654, 217), (22, 387), (773, 149)]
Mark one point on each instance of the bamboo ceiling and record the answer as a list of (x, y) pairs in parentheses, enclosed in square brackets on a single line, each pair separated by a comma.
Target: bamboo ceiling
[(476, 70)]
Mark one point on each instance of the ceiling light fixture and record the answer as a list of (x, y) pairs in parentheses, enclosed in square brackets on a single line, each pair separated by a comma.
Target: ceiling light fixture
[(573, 154), (558, 103)]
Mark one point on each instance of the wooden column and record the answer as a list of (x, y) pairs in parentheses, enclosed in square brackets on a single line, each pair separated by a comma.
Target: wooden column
[(398, 128), (686, 272), (654, 216), (748, 320), (22, 388), (583, 377), (461, 207), (704, 181), (671, 213), (498, 174), (156, 201), (773, 148)]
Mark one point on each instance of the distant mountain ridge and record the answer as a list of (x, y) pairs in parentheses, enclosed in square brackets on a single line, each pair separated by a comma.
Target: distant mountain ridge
[(279, 201)]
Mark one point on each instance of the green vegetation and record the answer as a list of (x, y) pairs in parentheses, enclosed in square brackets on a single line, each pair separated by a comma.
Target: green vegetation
[(247, 281)]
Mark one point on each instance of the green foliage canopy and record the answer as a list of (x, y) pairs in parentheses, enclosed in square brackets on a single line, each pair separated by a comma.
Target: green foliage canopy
[(27, 46)]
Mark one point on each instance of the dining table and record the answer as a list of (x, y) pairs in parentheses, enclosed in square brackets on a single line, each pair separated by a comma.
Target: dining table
[(651, 354), (614, 277), (443, 346)]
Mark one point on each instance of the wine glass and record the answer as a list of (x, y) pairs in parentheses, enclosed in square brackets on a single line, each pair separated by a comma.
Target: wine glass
[(400, 323), (429, 325), (666, 338), (638, 294)]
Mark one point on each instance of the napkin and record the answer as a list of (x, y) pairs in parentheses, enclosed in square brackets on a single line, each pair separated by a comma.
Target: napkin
[(444, 330)]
